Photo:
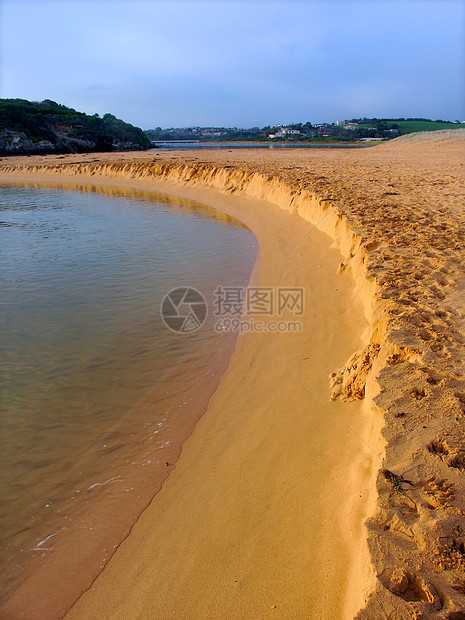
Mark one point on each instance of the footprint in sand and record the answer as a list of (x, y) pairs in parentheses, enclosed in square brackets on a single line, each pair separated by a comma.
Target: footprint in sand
[(452, 456)]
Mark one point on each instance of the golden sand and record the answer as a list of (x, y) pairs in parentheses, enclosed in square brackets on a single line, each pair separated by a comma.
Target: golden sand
[(263, 515)]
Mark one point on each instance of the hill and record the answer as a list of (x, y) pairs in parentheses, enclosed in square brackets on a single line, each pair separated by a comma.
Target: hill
[(408, 125), (47, 127)]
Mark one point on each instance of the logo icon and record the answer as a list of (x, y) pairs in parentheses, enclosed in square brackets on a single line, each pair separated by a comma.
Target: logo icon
[(183, 310)]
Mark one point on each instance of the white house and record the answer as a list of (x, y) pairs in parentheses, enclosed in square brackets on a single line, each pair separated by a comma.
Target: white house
[(283, 132)]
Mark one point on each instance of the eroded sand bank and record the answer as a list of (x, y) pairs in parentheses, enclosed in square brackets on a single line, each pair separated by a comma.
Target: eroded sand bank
[(262, 516)]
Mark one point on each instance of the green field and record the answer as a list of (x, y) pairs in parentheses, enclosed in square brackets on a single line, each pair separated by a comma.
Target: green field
[(411, 126)]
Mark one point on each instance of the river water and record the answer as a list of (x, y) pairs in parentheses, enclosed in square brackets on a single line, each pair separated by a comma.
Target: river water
[(97, 393)]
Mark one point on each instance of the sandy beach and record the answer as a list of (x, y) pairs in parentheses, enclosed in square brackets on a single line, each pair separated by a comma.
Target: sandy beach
[(326, 477)]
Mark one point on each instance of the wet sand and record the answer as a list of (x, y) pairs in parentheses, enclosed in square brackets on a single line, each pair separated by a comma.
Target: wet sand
[(263, 515)]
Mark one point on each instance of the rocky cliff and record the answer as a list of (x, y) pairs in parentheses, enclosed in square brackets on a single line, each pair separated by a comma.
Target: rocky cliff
[(47, 127)]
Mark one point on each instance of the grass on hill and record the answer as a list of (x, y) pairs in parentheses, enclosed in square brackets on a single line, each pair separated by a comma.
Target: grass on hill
[(414, 126)]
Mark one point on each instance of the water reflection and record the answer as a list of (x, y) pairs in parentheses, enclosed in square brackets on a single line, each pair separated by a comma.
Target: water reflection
[(97, 395)]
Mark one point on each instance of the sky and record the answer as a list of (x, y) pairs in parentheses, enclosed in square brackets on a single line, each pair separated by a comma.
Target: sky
[(237, 63)]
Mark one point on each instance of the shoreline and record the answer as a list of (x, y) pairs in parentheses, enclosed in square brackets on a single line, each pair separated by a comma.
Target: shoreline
[(234, 207), (395, 362)]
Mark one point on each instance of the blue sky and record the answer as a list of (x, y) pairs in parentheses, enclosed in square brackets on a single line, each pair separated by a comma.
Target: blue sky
[(237, 62)]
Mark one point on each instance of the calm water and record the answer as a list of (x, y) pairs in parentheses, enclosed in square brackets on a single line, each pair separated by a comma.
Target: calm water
[(97, 395), (186, 144)]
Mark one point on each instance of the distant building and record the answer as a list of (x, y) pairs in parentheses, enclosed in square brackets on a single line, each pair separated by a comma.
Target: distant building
[(327, 130), (339, 123), (210, 132), (285, 131), (351, 126)]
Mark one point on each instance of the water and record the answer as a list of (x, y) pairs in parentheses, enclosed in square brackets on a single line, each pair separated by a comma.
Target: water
[(174, 145), (97, 395)]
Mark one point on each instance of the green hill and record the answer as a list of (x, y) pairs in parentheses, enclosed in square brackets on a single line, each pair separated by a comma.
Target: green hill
[(409, 125), (47, 127)]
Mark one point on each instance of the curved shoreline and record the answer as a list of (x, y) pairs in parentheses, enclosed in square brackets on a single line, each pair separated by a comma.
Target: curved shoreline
[(398, 359), (359, 559)]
